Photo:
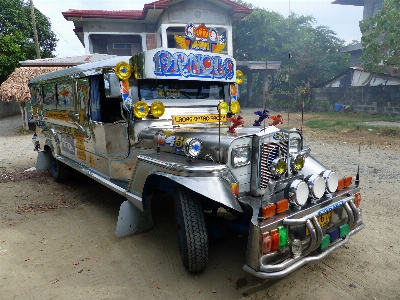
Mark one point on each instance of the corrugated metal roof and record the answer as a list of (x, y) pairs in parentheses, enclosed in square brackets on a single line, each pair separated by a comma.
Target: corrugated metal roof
[(65, 61)]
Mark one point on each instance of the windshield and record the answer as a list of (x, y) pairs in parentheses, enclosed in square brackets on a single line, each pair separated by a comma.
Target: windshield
[(180, 89)]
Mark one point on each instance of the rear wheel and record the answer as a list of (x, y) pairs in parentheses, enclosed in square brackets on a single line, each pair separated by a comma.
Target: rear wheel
[(192, 232), (59, 171)]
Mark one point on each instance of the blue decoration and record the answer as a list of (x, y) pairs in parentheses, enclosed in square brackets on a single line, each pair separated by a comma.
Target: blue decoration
[(262, 115)]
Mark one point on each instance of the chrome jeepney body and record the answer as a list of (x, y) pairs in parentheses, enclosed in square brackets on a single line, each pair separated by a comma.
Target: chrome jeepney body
[(156, 121)]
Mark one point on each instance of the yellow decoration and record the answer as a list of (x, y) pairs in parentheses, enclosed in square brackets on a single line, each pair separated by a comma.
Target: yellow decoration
[(223, 107), (235, 107), (239, 77), (157, 109), (181, 41), (123, 70), (140, 109)]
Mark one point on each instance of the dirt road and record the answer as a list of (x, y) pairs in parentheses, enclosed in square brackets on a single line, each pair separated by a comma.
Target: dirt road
[(57, 240)]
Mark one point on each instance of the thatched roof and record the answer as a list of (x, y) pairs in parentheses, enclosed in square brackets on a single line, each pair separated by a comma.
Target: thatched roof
[(15, 88)]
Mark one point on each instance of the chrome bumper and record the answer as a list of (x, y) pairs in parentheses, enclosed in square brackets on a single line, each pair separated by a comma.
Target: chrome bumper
[(274, 271)]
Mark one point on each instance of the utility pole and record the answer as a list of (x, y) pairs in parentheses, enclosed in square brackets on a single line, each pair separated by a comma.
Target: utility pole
[(35, 35)]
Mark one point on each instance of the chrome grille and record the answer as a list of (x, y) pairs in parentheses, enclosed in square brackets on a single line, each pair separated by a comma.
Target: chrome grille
[(269, 151)]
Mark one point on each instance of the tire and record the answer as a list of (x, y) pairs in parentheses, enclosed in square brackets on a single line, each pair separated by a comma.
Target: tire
[(59, 171), (191, 228)]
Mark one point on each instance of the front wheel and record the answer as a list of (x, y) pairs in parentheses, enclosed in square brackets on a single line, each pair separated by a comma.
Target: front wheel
[(192, 232), (59, 171)]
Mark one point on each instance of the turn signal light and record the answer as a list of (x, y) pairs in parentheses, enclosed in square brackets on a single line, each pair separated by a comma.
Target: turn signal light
[(265, 243), (340, 185), (274, 240), (348, 181)]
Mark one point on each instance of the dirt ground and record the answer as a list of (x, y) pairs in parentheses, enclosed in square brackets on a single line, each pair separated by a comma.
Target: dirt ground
[(57, 241)]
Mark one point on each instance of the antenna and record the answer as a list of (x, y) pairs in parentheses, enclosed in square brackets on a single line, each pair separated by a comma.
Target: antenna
[(290, 56)]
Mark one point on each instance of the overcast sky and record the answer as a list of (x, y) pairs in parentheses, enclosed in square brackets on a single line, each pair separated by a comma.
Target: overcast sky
[(343, 19)]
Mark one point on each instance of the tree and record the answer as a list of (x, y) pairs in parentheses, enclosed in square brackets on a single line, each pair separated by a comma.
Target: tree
[(314, 51), (381, 39), (16, 35)]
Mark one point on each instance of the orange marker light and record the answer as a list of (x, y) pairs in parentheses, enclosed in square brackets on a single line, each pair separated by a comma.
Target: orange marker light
[(348, 181), (340, 185), (235, 189), (357, 199), (266, 243), (269, 210), (274, 239), (282, 206)]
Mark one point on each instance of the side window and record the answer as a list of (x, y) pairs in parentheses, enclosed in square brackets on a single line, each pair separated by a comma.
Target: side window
[(82, 87), (49, 97), (65, 96)]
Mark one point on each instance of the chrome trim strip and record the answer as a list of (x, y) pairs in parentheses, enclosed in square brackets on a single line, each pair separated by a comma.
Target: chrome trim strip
[(297, 263)]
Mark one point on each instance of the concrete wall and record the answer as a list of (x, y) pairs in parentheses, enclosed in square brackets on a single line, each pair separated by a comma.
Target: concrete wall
[(367, 99), (9, 109)]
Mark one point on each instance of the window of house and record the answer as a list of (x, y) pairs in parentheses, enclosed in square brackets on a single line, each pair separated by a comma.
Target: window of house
[(122, 49)]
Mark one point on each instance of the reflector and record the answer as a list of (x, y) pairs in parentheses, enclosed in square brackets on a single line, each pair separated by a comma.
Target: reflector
[(269, 210)]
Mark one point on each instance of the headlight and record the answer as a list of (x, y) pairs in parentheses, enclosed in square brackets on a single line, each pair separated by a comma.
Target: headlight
[(240, 156), (278, 166), (297, 162), (235, 107), (294, 146), (223, 107), (192, 148), (157, 109)]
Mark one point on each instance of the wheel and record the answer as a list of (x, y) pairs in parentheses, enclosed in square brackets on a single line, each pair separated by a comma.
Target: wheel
[(192, 232), (59, 171)]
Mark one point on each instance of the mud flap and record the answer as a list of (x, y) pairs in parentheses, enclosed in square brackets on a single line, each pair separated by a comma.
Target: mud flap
[(131, 219), (43, 161)]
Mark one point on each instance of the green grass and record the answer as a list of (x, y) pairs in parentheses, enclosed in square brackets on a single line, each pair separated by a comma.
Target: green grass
[(340, 122)]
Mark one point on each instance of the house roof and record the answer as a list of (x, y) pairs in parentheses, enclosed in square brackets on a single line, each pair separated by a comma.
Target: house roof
[(64, 61), (15, 88), (149, 15), (349, 2)]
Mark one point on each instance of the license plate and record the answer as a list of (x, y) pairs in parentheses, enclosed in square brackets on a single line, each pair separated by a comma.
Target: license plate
[(206, 118), (323, 220)]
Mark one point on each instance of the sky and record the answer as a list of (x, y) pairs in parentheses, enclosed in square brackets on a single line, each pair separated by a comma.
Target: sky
[(342, 19)]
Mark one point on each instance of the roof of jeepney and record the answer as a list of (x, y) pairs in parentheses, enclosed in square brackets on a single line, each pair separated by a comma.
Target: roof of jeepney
[(82, 70)]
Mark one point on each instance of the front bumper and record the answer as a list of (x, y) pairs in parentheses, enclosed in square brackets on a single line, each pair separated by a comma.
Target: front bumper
[(283, 262)]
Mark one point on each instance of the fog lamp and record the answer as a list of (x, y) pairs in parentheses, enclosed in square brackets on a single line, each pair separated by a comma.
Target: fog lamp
[(298, 192), (123, 70), (296, 247), (235, 107), (140, 109), (316, 185), (331, 180), (157, 109), (297, 162)]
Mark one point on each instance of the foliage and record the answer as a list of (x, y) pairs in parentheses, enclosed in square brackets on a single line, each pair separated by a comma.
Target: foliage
[(309, 54), (16, 35), (381, 39)]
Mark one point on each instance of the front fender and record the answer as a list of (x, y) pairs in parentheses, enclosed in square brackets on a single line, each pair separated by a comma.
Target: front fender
[(210, 187)]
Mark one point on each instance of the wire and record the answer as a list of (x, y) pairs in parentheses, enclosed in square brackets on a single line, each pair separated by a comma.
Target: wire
[(68, 42)]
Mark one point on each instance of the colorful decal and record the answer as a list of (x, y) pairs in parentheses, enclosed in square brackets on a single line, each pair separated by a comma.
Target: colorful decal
[(201, 38), (125, 92), (173, 141), (179, 64), (65, 95), (68, 144), (91, 160), (190, 119), (80, 146), (278, 136), (233, 92), (62, 116), (168, 94), (82, 87), (331, 207)]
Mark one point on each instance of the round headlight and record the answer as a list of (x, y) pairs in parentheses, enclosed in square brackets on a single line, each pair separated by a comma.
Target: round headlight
[(235, 107), (223, 107), (298, 192), (241, 156), (278, 166), (140, 109), (297, 162), (192, 147), (157, 109), (123, 70), (331, 180), (296, 247), (316, 185)]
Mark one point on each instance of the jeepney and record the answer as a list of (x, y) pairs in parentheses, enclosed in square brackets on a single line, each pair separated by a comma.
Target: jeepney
[(169, 119)]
